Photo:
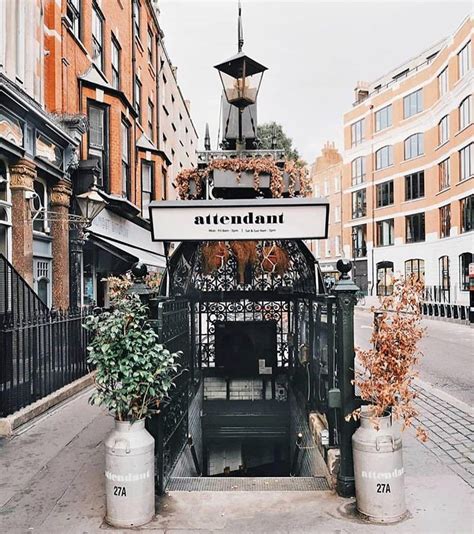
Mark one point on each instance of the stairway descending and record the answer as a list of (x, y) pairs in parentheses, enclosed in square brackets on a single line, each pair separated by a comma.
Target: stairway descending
[(247, 484)]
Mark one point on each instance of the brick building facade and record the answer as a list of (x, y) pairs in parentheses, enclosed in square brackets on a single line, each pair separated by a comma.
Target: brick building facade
[(408, 197), (94, 72)]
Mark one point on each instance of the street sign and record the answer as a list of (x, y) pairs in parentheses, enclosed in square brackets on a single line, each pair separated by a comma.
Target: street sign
[(229, 220)]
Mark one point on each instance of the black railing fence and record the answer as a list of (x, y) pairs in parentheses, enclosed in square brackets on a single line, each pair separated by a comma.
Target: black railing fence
[(41, 350)]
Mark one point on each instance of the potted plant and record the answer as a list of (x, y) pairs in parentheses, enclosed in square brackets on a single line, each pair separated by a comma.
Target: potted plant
[(134, 373), (384, 380)]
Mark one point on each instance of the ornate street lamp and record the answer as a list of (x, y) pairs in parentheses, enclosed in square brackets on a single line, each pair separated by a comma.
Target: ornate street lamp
[(90, 204), (241, 77)]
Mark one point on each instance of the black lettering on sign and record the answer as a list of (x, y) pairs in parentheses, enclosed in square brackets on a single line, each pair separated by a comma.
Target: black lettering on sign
[(383, 488), (120, 491)]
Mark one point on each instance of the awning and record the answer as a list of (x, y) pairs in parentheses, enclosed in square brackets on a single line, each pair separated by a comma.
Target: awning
[(119, 234), (148, 258)]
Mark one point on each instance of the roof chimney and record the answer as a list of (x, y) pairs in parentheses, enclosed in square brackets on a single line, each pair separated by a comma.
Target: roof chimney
[(361, 91)]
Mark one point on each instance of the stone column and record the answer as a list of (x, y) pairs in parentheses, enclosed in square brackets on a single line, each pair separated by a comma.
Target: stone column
[(60, 199), (22, 175)]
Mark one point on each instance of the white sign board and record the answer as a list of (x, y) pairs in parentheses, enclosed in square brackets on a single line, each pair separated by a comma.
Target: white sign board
[(228, 220)]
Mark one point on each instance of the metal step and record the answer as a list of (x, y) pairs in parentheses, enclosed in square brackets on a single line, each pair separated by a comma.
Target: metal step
[(247, 484)]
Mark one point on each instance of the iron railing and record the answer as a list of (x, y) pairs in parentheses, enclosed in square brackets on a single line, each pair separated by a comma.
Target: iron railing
[(41, 349)]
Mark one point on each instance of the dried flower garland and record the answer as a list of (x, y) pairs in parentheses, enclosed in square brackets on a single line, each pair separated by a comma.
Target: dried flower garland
[(214, 255), (275, 259), (246, 254), (257, 166)]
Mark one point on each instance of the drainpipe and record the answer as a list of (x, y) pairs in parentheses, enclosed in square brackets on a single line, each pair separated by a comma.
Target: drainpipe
[(373, 198), (134, 167)]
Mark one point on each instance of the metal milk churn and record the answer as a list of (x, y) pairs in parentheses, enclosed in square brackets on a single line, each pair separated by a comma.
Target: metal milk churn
[(378, 470), (129, 475)]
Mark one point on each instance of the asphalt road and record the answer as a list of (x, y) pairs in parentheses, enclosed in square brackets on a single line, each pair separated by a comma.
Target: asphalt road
[(448, 349)]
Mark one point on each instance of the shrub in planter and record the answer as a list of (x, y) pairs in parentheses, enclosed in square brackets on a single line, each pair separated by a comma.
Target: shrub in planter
[(385, 383), (134, 373)]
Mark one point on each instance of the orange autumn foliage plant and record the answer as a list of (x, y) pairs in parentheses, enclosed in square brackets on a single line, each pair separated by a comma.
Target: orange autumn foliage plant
[(388, 369)]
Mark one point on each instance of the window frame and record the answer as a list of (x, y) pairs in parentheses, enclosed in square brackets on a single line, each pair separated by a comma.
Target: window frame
[(443, 82), (462, 124), (467, 214), (416, 267), (466, 162), (115, 50), (444, 221), (149, 45), (380, 114), (379, 160), (417, 178), (357, 132), (150, 165), (136, 8), (464, 270), (359, 241), (104, 149), (412, 146), (443, 130), (359, 204), (76, 18), (464, 60), (96, 12), (358, 164), (385, 268), (444, 174), (381, 192), (443, 273), (380, 233), (415, 228), (150, 119), (125, 163), (137, 98), (411, 108)]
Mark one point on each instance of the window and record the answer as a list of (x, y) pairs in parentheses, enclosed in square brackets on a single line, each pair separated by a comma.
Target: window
[(136, 18), (40, 206), (414, 146), (138, 97), (42, 281), (337, 178), (97, 38), (150, 45), (412, 104), (465, 113), (443, 130), (415, 185), (328, 248), (464, 60), (385, 194), (415, 228), (466, 162), (359, 247), (150, 119), (126, 184), (444, 175), (467, 214), (97, 141), (385, 278), (73, 13), (383, 118), (384, 157), (115, 57), (5, 211), (147, 187), (443, 263), (385, 233), (445, 221), (326, 188), (357, 132), (337, 245), (358, 171), (464, 260), (164, 183), (337, 214), (416, 269), (443, 82), (359, 204)]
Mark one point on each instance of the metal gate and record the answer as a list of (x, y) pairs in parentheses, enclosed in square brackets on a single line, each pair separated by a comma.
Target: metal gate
[(170, 426)]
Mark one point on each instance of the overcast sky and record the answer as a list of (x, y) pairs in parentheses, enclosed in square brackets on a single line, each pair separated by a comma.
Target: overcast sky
[(315, 52)]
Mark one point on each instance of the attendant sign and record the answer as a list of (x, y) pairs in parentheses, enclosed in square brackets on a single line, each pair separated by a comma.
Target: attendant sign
[(229, 220)]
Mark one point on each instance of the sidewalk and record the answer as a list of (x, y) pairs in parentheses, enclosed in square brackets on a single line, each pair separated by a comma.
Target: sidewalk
[(52, 483)]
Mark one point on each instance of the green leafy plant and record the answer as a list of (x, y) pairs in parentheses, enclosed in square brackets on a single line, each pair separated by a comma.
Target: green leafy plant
[(134, 373)]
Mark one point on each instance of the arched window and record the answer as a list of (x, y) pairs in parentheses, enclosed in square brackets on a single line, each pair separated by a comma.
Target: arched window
[(5, 211), (464, 260), (358, 170), (465, 113), (40, 206), (42, 280), (384, 278), (444, 281), (384, 157), (415, 268), (443, 130), (414, 146)]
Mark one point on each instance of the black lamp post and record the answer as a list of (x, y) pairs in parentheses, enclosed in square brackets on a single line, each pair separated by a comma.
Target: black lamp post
[(241, 77)]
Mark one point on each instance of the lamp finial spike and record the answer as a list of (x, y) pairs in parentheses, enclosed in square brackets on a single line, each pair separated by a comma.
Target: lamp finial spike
[(240, 32)]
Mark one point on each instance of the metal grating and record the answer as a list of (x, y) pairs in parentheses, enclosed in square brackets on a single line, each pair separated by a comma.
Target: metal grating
[(247, 484)]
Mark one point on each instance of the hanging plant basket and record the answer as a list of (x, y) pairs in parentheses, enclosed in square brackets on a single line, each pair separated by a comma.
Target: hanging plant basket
[(245, 253), (275, 260), (214, 256)]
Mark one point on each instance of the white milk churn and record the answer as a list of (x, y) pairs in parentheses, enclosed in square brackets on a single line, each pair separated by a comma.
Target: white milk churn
[(378, 470), (129, 475)]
